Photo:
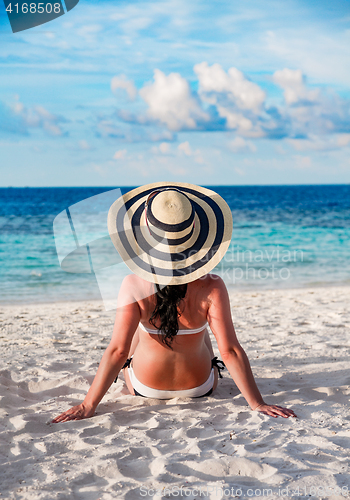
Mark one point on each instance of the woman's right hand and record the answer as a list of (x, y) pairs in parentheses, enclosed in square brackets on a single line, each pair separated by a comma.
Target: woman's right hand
[(274, 411), (75, 413)]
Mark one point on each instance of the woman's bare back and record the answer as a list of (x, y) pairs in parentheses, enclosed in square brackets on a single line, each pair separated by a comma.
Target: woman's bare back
[(188, 363)]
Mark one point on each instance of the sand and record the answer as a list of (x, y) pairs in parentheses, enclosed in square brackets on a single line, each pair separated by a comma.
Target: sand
[(298, 345)]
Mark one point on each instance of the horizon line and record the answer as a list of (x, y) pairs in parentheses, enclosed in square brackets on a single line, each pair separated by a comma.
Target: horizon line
[(204, 185)]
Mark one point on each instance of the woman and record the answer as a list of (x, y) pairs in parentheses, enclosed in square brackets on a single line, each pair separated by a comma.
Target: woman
[(171, 235)]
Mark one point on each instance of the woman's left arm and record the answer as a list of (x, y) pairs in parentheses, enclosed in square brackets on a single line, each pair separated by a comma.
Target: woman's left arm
[(126, 322), (233, 355)]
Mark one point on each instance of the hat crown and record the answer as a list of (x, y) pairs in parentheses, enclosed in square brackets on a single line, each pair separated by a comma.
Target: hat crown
[(171, 207), (191, 241)]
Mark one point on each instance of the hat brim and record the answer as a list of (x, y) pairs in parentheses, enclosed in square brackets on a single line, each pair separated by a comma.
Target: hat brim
[(151, 259)]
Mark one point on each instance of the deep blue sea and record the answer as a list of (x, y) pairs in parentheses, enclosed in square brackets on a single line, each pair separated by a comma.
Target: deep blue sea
[(283, 236)]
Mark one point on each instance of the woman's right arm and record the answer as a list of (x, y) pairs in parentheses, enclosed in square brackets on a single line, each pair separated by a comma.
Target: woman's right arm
[(126, 321), (233, 355)]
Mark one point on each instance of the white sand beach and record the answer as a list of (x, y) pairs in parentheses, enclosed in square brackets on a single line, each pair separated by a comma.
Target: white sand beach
[(298, 344)]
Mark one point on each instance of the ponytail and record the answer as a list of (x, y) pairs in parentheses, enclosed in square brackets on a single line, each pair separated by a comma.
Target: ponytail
[(166, 311)]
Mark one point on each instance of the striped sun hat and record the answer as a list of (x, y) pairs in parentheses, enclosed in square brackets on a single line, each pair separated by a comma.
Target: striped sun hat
[(170, 233)]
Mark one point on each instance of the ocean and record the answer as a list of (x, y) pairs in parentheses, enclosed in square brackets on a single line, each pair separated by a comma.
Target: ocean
[(283, 237)]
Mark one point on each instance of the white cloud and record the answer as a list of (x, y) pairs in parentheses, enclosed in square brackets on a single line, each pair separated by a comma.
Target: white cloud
[(161, 135), (199, 159), (52, 128), (303, 162), (107, 128), (237, 121), (240, 145), (238, 100), (84, 145), (185, 148), (313, 114), (163, 148), (171, 102), (120, 155), (323, 143), (36, 117), (228, 100), (343, 140), (239, 171), (242, 92), (89, 32), (324, 56), (307, 144), (121, 82), (293, 83)]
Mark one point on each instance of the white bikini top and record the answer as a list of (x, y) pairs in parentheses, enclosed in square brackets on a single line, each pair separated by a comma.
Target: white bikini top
[(180, 332)]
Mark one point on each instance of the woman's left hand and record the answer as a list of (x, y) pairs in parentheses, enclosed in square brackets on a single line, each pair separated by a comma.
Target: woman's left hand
[(275, 411), (75, 413)]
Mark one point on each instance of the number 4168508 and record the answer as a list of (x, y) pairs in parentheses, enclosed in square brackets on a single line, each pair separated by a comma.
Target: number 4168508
[(34, 8)]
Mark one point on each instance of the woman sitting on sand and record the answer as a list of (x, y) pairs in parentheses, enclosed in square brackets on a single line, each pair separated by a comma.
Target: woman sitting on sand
[(171, 235)]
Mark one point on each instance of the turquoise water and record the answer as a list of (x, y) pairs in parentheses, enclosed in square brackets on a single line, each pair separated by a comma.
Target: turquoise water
[(283, 236)]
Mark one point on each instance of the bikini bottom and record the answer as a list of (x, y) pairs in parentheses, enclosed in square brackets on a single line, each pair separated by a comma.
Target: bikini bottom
[(196, 392)]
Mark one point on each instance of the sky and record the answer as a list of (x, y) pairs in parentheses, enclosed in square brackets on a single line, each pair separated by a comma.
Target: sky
[(212, 93)]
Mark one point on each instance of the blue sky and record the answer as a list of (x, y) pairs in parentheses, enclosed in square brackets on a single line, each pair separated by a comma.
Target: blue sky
[(125, 93)]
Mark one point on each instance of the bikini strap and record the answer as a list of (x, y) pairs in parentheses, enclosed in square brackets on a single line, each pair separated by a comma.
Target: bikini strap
[(125, 365), (180, 332), (216, 362)]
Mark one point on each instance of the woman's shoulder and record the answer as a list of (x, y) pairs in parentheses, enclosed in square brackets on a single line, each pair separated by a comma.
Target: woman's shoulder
[(210, 280), (131, 279), (134, 280), (137, 287), (207, 284), (210, 284)]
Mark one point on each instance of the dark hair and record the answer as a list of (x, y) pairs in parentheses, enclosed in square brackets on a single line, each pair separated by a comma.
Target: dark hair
[(168, 300)]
